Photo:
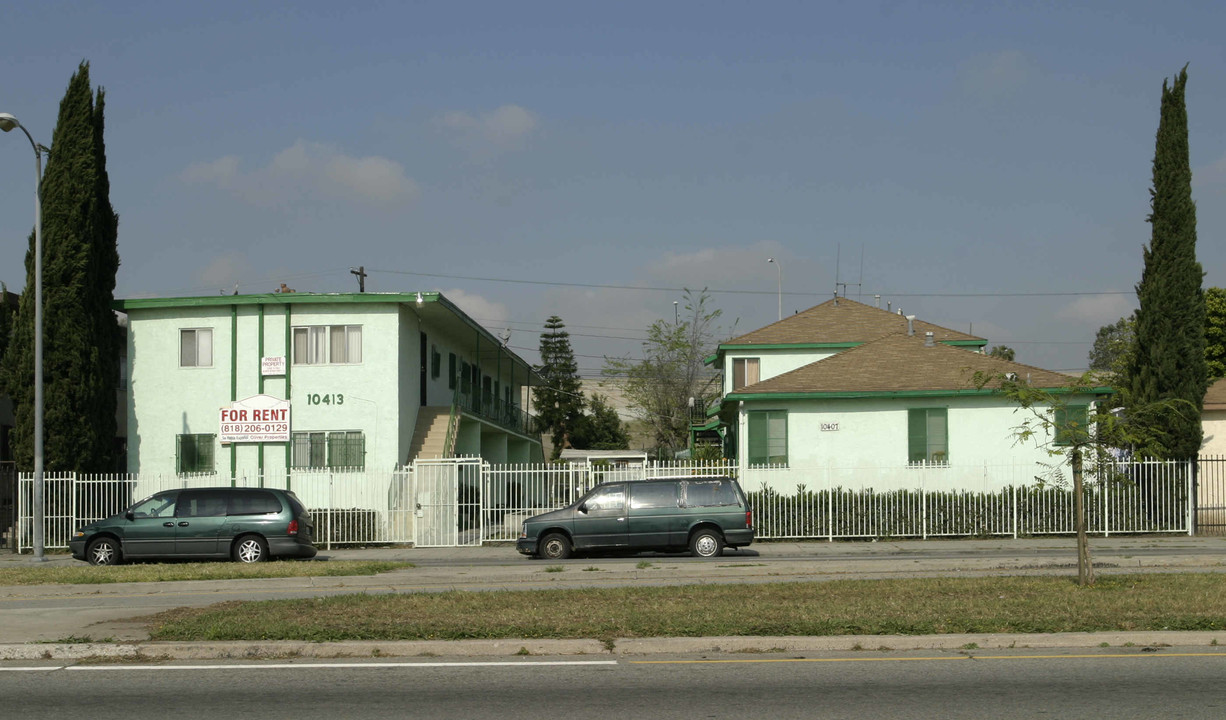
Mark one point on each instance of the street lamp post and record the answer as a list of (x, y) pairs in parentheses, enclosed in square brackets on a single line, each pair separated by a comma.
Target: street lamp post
[(780, 269), (7, 123), (676, 314)]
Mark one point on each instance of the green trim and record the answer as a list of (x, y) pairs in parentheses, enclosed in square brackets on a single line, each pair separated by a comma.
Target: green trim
[(276, 299), (260, 370), (289, 364), (899, 394), (233, 385), (964, 343), (410, 299)]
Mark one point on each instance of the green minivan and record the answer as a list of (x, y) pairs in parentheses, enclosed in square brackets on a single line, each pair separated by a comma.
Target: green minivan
[(246, 524), (702, 513)]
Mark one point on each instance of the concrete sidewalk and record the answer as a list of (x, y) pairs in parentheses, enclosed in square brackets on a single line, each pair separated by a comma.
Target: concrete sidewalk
[(44, 614)]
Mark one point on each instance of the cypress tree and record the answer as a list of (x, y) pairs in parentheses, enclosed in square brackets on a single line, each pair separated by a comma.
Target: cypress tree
[(559, 402), (1169, 358), (80, 334)]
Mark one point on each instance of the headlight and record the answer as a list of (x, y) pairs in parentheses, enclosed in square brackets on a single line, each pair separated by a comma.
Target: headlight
[(79, 534), (523, 530)]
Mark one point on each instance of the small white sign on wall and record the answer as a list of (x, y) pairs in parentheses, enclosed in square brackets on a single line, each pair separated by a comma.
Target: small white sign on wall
[(830, 427), (272, 365)]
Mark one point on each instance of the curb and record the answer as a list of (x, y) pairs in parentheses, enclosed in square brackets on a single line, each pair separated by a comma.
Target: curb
[(144, 652)]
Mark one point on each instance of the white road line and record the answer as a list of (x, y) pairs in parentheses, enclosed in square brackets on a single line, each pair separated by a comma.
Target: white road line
[(44, 668), (301, 666)]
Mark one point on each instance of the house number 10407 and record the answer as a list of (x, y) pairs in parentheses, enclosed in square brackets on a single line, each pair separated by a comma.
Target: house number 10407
[(325, 399)]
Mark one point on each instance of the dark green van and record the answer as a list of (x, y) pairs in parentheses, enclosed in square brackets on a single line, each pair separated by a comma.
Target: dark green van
[(703, 514), (246, 524)]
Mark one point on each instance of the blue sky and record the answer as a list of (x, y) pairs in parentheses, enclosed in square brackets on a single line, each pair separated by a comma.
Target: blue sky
[(970, 163)]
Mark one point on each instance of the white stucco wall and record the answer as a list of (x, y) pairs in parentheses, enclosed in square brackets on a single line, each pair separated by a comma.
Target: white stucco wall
[(168, 400), (773, 362), (870, 445), (1213, 425)]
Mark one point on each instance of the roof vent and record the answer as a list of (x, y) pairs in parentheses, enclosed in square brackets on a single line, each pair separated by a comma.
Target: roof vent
[(928, 341), (910, 323)]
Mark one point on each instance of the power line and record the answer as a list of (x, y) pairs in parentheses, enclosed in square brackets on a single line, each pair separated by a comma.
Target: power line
[(640, 288)]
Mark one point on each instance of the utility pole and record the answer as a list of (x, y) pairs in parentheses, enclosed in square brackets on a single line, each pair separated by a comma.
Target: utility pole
[(361, 275)]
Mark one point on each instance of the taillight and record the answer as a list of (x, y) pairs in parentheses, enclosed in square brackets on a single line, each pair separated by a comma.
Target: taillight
[(749, 518), (293, 528)]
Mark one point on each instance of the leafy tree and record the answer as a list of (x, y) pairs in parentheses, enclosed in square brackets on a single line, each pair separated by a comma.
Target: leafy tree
[(601, 428), (559, 402), (1058, 420), (672, 377), (1113, 345), (1003, 352), (1215, 333), (6, 319), (80, 334), (1169, 362)]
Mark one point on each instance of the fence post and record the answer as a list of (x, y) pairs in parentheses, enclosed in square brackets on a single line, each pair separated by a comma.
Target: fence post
[(829, 506), (331, 516), (1013, 493), (923, 507), (1191, 475), (1106, 505)]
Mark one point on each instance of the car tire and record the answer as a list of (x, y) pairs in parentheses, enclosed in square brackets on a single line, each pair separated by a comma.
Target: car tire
[(250, 549), (554, 546), (706, 543), (104, 551)]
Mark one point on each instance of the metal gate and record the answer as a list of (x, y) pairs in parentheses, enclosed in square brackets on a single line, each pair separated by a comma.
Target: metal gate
[(448, 502), (1211, 495)]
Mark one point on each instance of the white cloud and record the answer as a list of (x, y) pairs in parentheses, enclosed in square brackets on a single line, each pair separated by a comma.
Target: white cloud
[(314, 170), (1097, 310), (493, 316), (506, 127)]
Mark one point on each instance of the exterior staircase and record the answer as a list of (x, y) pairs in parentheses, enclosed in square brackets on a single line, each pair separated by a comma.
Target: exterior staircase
[(430, 433)]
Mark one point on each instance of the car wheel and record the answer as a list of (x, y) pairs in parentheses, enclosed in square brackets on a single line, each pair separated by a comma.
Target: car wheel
[(250, 549), (103, 551), (555, 546), (707, 544)]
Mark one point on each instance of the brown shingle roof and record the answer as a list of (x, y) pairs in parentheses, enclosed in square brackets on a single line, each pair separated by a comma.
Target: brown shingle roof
[(900, 363), (1215, 396), (841, 321)]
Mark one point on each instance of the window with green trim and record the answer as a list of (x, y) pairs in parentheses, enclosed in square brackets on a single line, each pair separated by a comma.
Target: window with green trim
[(194, 453), (451, 371), (341, 449), (1072, 423), (928, 436), (436, 362), (768, 437)]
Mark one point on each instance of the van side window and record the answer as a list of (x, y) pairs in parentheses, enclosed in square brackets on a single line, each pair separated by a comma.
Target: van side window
[(709, 493), (611, 498), (254, 503), (201, 503), (653, 495)]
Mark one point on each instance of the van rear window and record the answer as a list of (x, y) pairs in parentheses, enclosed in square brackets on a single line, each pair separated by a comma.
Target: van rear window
[(709, 493), (254, 503)]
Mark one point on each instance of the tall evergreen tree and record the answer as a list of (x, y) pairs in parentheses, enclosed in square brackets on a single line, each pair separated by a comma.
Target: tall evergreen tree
[(1215, 332), (559, 402), (1169, 358), (80, 334)]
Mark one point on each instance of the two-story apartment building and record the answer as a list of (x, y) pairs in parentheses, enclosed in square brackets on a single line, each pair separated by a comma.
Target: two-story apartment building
[(261, 385), (847, 384)]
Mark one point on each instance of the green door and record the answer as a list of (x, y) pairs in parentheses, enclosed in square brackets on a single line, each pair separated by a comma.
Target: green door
[(151, 529), (600, 520), (200, 517)]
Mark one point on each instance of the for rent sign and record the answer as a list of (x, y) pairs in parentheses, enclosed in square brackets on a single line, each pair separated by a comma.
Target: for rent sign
[(259, 418)]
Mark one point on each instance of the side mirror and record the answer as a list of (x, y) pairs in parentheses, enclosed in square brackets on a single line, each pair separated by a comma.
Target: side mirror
[(583, 508), (129, 515)]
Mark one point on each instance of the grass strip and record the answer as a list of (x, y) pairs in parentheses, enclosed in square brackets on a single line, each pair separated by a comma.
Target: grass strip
[(844, 607), (161, 572)]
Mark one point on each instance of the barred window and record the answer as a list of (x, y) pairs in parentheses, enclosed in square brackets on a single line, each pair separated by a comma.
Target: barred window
[(336, 449), (194, 453)]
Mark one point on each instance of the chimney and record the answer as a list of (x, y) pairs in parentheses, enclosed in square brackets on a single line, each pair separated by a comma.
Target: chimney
[(878, 298), (928, 341), (910, 324), (889, 306)]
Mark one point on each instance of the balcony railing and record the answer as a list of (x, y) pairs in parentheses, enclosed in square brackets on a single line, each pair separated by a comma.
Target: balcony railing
[(503, 414)]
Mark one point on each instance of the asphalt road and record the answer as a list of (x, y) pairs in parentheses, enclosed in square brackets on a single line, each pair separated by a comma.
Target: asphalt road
[(49, 613), (1165, 682)]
